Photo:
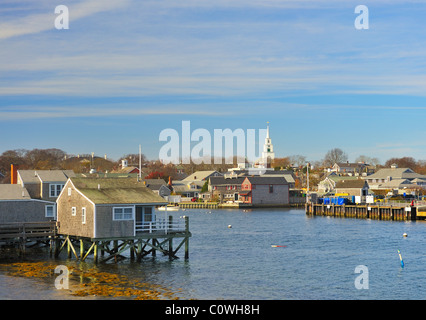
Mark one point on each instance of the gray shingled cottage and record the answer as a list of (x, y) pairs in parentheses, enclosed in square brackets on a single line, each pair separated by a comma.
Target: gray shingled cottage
[(16, 205), (99, 208)]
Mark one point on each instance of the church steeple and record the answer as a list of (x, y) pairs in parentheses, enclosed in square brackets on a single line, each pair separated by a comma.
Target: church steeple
[(268, 150)]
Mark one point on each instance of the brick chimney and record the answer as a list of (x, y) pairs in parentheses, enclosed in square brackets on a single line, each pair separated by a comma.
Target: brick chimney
[(13, 174)]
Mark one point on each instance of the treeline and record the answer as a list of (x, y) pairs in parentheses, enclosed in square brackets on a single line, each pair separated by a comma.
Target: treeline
[(56, 159), (50, 159)]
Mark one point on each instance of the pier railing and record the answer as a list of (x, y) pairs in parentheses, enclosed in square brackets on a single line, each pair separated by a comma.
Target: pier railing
[(162, 225), (27, 230)]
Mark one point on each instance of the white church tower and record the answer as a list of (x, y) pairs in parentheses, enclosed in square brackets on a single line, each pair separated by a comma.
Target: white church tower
[(268, 154)]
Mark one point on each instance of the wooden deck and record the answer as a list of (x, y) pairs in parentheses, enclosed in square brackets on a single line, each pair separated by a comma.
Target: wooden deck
[(19, 231)]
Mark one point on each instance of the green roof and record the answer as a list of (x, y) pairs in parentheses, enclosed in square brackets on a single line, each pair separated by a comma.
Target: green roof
[(116, 191)]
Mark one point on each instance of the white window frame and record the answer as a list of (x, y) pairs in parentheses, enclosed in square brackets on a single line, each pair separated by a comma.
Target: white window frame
[(55, 190), (83, 215), (53, 211), (118, 213), (69, 191), (73, 211)]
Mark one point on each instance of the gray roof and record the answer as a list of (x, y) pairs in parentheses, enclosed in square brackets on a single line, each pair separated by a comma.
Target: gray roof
[(218, 181), (116, 191), (202, 175), (357, 183), (395, 173), (267, 180), (34, 176), (13, 192)]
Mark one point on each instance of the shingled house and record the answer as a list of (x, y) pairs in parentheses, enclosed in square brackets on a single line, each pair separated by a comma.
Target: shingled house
[(105, 207), (44, 184), (16, 205), (265, 191)]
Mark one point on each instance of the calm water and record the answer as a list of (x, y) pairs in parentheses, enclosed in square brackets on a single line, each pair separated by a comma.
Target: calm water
[(318, 262)]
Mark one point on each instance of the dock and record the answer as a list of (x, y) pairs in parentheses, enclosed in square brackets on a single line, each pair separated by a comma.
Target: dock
[(149, 238), (22, 234), (400, 212)]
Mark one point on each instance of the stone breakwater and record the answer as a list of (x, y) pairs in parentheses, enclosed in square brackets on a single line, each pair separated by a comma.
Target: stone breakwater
[(92, 283)]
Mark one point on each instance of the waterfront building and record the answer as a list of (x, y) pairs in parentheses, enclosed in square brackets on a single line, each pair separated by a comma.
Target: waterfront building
[(105, 208), (265, 191), (16, 205)]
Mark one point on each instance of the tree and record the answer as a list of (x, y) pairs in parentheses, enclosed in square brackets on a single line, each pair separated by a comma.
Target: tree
[(333, 156), (405, 162)]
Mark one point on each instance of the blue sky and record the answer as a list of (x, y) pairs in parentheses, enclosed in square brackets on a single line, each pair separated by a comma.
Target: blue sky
[(126, 69)]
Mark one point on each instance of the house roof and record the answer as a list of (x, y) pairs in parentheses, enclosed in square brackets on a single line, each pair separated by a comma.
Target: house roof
[(218, 181), (201, 175), (397, 183), (13, 192), (356, 184), (116, 191), (267, 180), (395, 173), (34, 176)]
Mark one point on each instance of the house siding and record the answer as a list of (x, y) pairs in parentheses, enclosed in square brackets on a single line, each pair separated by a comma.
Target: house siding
[(72, 225), (106, 227), (23, 211), (262, 196)]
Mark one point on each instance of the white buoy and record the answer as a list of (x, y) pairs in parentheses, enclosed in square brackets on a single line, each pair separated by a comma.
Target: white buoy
[(404, 235), (229, 226)]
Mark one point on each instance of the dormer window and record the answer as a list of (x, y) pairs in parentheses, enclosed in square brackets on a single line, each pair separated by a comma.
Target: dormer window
[(55, 190)]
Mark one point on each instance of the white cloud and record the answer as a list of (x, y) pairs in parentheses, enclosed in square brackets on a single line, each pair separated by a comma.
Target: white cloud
[(39, 22)]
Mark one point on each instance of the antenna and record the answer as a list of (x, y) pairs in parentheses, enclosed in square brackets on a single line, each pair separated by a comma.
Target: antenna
[(140, 163)]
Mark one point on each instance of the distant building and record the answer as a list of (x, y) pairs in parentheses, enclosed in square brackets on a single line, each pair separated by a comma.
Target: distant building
[(268, 154), (348, 168), (395, 178), (44, 184), (356, 187), (225, 189), (265, 191)]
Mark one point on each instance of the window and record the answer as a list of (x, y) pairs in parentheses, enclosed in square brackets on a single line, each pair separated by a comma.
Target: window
[(55, 190), (123, 213), (50, 211), (271, 188), (148, 214), (83, 215), (69, 191), (73, 211)]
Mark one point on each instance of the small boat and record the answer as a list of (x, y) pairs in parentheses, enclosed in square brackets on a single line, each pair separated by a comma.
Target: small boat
[(169, 208)]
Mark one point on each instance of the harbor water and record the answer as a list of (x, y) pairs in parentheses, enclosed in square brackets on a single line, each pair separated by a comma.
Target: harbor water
[(267, 254)]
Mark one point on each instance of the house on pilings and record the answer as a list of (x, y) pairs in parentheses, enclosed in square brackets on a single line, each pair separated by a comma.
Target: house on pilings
[(99, 211), (105, 207)]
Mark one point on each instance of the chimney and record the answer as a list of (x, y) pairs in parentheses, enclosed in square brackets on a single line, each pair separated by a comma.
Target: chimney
[(13, 174), (170, 181)]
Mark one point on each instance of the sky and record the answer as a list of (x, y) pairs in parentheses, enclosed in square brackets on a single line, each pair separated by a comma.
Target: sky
[(125, 70)]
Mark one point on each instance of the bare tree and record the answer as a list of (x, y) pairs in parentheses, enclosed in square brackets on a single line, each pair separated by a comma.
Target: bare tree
[(333, 156)]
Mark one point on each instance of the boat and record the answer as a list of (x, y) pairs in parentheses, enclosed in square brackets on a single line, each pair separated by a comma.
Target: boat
[(169, 208)]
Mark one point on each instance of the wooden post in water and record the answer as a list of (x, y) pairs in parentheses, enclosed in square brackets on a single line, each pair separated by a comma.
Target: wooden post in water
[(81, 249), (171, 239), (187, 238)]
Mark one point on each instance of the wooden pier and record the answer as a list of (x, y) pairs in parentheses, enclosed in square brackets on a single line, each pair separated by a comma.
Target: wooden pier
[(364, 211), (22, 234), (149, 238)]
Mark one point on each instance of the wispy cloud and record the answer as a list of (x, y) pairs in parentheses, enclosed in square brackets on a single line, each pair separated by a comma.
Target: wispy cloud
[(39, 22)]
